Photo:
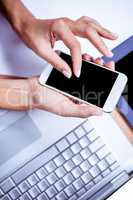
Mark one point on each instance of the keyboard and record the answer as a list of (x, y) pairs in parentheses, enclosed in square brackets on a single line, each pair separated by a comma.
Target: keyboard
[(71, 168)]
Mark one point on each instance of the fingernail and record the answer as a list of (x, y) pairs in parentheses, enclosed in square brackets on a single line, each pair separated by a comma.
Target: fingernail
[(112, 65), (101, 61), (66, 74), (115, 34), (78, 73), (110, 54)]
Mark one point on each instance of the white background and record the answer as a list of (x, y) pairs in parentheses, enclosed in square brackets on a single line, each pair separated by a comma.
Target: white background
[(15, 58)]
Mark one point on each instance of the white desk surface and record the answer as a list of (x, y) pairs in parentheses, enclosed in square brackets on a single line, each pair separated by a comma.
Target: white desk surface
[(17, 59)]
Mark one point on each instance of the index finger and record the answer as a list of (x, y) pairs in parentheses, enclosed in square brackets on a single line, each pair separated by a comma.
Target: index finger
[(72, 43)]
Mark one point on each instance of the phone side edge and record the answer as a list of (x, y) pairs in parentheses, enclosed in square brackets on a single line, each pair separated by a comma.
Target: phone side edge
[(115, 93)]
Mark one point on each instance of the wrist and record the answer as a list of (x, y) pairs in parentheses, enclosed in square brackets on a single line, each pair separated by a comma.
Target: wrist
[(36, 93)]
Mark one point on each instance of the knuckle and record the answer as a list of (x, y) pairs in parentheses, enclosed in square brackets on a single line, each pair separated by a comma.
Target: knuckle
[(84, 18), (58, 25), (65, 19), (60, 22)]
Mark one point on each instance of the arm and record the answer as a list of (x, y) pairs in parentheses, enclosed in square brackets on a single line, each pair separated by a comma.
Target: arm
[(16, 13), (26, 93), (15, 93), (40, 35)]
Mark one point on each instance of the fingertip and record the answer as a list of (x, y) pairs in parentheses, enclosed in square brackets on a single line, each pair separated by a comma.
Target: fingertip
[(99, 61), (92, 110), (77, 64), (87, 57), (111, 65), (115, 35), (109, 54), (67, 74)]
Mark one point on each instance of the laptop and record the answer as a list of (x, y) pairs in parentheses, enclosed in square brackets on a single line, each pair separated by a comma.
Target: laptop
[(64, 158)]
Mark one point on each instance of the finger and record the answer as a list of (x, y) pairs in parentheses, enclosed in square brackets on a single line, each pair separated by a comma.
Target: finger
[(87, 57), (96, 40), (58, 63), (99, 61), (66, 35), (83, 111), (106, 33), (110, 65)]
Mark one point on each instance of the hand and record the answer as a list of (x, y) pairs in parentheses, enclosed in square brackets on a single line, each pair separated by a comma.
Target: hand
[(41, 35), (47, 99)]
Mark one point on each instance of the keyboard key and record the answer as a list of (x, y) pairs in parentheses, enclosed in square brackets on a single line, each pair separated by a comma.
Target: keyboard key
[(92, 135), (94, 171), (88, 126), (1, 193), (74, 197), (25, 196), (59, 160), (41, 173), (33, 180), (43, 185), (85, 166), (114, 166), (97, 144), (50, 167), (62, 145), (84, 142), (106, 172), (97, 179), (79, 132), (68, 178), (35, 164), (81, 192), (42, 197), (86, 177), (78, 184), (7, 185), (110, 159), (85, 153), (75, 148), (70, 190), (61, 196), (34, 192), (69, 165), (51, 192), (24, 186), (102, 152), (14, 193), (72, 138), (77, 159), (60, 185), (6, 198), (51, 178), (89, 185), (67, 154), (103, 165), (93, 160), (60, 172), (77, 172)]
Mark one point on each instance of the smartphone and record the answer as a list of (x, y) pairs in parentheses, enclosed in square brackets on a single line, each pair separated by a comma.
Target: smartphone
[(96, 85)]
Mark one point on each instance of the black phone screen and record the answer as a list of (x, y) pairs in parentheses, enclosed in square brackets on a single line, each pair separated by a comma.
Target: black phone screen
[(125, 66), (93, 85)]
